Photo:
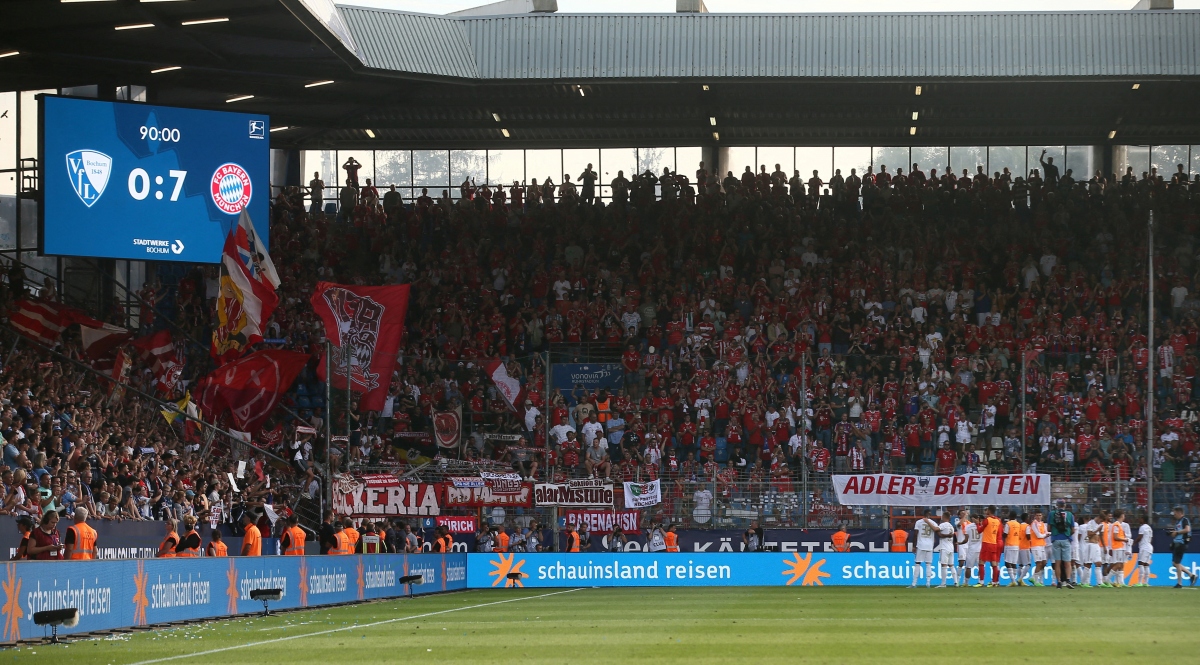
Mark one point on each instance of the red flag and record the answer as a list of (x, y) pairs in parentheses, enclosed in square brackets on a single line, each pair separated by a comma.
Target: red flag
[(370, 320), (251, 387), (159, 350), (44, 321), (244, 305), (100, 344), (508, 386)]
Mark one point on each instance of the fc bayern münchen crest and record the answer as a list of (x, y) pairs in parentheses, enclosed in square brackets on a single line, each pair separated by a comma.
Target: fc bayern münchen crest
[(89, 171), (231, 188)]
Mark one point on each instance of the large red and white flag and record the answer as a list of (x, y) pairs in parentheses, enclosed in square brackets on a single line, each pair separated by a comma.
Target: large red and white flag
[(369, 321), (508, 386), (100, 344), (44, 321), (159, 351), (244, 304), (250, 388), (253, 251)]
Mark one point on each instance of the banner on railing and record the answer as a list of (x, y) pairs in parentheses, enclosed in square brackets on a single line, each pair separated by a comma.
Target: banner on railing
[(477, 495), (129, 593), (601, 522), (583, 493), (973, 490), (643, 495), (383, 495)]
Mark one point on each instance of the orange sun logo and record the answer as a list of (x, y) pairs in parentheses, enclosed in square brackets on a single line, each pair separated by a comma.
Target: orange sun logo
[(799, 568), (12, 604), (303, 581), (139, 596), (361, 583), (1133, 573), (232, 590), (505, 566)]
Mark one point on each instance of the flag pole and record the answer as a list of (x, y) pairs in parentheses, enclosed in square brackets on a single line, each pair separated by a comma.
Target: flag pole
[(328, 425), (1150, 376), (348, 349)]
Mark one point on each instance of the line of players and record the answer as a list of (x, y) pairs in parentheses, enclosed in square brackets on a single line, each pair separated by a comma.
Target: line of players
[(1099, 548)]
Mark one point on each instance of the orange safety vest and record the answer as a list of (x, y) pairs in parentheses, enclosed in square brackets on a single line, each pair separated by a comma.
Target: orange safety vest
[(1035, 539), (343, 544), (449, 542), (572, 542), (190, 552), (218, 548), (839, 541), (296, 538), (603, 411), (899, 538), (252, 541), (991, 529), (501, 542), (672, 541), (163, 551), (1024, 536), (85, 542), (353, 535), (1013, 537)]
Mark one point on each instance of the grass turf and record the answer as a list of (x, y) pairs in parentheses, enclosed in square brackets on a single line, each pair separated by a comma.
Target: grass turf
[(710, 625)]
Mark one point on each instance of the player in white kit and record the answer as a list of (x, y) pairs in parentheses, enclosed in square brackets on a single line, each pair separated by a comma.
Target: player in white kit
[(970, 542), (1092, 559), (926, 530), (1077, 541), (1145, 550), (945, 550), (1038, 535)]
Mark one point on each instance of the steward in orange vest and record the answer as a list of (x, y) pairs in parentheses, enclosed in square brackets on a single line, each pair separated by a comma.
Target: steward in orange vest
[(189, 542), (572, 539), (839, 540), (351, 533), (671, 539), (166, 549), (216, 547), (291, 543), (899, 540), (501, 541), (341, 541), (81, 538), (252, 537)]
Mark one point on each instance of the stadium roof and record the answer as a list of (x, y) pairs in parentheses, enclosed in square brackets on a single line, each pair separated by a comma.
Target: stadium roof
[(420, 81)]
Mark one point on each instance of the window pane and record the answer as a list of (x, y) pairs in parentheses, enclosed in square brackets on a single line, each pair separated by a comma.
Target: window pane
[(323, 163), (1195, 161), (431, 168), (930, 158), (8, 130), (687, 162), (1138, 157), (1081, 162), (890, 157), (1052, 151), (506, 167), (542, 164), (467, 165), (29, 120), (769, 156), (856, 157), (392, 167), (969, 158), (8, 211), (1011, 157), (655, 160), (365, 159), (575, 161), (814, 159), (1167, 158), (736, 161), (612, 161)]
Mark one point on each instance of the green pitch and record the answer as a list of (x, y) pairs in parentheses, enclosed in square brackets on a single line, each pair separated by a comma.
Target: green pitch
[(808, 625)]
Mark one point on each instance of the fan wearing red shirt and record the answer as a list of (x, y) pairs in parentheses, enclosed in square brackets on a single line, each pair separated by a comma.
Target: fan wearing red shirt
[(946, 460)]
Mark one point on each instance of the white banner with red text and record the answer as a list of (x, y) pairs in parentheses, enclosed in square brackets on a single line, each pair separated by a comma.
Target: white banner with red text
[(1022, 489)]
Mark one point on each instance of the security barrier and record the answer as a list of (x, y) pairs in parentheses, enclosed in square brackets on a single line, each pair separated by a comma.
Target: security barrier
[(486, 571), (128, 593)]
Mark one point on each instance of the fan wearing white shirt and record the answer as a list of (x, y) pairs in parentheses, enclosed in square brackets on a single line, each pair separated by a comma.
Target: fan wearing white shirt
[(945, 549), (926, 530), (1145, 550)]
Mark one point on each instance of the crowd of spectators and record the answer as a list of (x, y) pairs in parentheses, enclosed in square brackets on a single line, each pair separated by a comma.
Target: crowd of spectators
[(766, 325)]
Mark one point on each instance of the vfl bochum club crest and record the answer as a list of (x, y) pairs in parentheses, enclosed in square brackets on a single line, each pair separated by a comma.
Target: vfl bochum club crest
[(89, 171)]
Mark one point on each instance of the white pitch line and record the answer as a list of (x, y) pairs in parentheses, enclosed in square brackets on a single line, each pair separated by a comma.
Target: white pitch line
[(338, 630)]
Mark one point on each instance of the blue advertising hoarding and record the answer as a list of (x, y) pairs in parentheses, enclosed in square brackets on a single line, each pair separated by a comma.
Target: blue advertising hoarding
[(486, 571), (125, 593), (591, 376), (136, 181)]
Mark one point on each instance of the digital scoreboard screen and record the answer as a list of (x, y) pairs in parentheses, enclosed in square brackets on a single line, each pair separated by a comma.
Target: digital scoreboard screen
[(125, 180)]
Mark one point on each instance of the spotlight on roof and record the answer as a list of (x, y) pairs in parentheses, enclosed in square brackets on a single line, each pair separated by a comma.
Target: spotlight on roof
[(370, 133), (9, 54), (67, 616), (239, 98), (912, 131), (1112, 134), (716, 136), (280, 129), (705, 87), (161, 70), (712, 120), (1137, 86), (504, 132), (918, 91), (915, 114), (202, 21), (496, 117), (133, 26), (315, 84)]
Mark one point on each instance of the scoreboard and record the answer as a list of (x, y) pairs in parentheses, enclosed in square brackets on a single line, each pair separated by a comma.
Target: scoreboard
[(126, 180)]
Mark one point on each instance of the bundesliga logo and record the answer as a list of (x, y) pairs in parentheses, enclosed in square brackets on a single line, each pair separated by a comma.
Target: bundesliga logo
[(231, 188)]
